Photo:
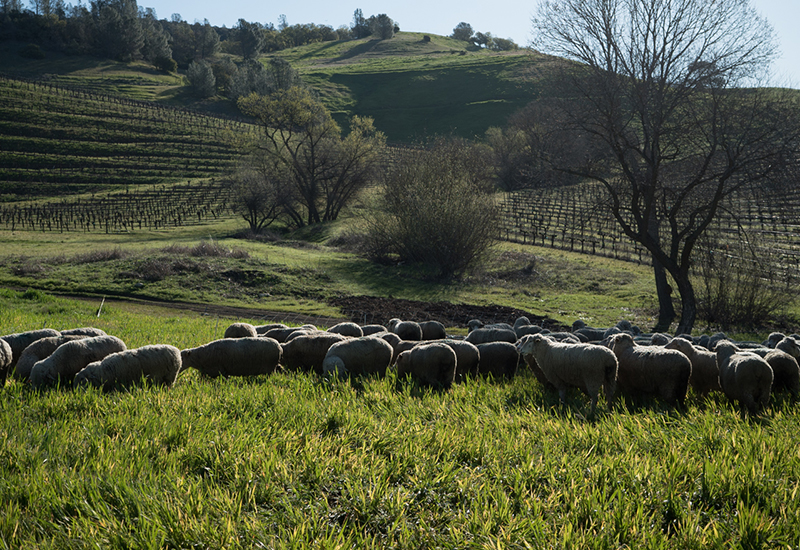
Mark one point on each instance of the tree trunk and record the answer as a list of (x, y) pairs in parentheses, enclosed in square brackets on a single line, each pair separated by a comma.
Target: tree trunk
[(666, 311), (688, 303)]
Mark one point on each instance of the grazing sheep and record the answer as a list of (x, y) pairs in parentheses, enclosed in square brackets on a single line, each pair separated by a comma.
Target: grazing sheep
[(486, 335), (348, 329), (651, 370), (37, 351), (433, 330), (500, 359), (408, 330), (234, 357), (358, 357), (660, 339), (745, 377), (83, 331), (588, 367), (303, 332), (524, 330), (467, 357), (790, 346), (21, 340), (156, 364), (773, 339), (392, 323), (579, 324), (431, 364), (785, 372), (368, 330), (240, 330), (705, 373), (70, 358), (263, 329), (568, 337), (591, 334), (307, 352), (403, 345), (6, 356), (474, 324), (521, 322), (282, 334), (715, 338)]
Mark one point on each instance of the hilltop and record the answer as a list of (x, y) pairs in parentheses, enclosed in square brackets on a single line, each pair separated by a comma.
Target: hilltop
[(413, 85)]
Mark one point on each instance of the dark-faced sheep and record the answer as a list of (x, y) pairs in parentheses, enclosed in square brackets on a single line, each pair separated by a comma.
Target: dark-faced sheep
[(307, 352), (70, 358), (351, 330), (486, 335), (37, 351), (21, 340), (234, 357), (433, 330), (240, 330), (431, 364), (157, 364), (588, 367), (745, 377), (363, 356), (651, 370), (705, 373), (498, 359)]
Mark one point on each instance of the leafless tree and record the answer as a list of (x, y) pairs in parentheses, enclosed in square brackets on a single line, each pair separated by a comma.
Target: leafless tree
[(665, 92)]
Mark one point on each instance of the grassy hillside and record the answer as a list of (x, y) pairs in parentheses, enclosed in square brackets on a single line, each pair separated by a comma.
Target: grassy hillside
[(413, 87)]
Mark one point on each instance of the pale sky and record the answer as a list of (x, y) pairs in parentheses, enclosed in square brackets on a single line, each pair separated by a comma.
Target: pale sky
[(502, 18)]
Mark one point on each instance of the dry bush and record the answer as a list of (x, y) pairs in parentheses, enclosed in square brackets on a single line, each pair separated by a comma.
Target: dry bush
[(207, 249)]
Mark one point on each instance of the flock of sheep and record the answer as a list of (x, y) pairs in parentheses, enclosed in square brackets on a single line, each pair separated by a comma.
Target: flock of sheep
[(616, 360)]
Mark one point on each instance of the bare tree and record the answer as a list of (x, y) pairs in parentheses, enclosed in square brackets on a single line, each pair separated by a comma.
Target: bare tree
[(659, 93), (260, 193)]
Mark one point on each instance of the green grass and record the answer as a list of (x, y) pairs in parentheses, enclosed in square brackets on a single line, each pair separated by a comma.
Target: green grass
[(290, 461)]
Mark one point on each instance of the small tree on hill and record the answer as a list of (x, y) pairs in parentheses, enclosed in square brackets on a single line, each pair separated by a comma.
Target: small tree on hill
[(201, 77), (382, 26), (463, 31)]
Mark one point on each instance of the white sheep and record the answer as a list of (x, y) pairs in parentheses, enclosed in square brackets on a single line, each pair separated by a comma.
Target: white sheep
[(307, 352), (38, 350), (785, 371), (21, 340), (745, 377), (790, 346), (705, 373), (240, 330), (588, 367), (521, 322), (83, 331), (474, 324), (348, 329), (468, 357), (525, 330), (485, 335), (433, 330), (358, 357), (6, 356), (432, 364), (369, 330), (499, 359), (234, 357), (408, 330), (157, 364), (70, 358), (263, 329), (651, 370), (281, 334)]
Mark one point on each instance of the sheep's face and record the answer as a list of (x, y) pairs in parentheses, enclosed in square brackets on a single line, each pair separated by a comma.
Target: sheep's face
[(334, 366), (621, 341), (529, 343)]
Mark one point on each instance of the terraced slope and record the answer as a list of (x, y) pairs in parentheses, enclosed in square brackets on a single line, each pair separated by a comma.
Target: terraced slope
[(57, 141)]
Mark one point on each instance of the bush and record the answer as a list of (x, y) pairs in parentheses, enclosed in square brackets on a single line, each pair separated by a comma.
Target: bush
[(739, 285), (32, 51), (436, 211), (165, 64), (201, 77)]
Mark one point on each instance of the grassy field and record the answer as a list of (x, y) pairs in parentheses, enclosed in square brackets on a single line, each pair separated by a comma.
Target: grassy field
[(293, 461)]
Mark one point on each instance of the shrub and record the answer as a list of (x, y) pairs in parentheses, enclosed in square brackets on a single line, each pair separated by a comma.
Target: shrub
[(32, 51), (436, 211), (165, 64)]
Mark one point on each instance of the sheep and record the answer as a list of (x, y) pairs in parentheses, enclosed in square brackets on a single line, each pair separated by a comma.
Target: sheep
[(70, 358), (433, 330), (234, 357), (263, 329), (21, 340), (568, 337), (773, 339), (715, 338), (588, 367), (474, 324), (37, 351), (785, 372), (521, 322), (240, 330), (368, 330), (156, 364), (790, 346), (705, 373), (500, 359), (660, 339), (408, 330), (281, 334), (432, 364), (651, 370), (467, 357), (392, 323), (6, 356), (349, 329), (486, 335), (524, 330), (591, 334), (307, 352), (358, 357), (83, 331), (745, 377), (403, 345)]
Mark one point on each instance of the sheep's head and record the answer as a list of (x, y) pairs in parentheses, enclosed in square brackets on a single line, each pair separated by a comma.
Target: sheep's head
[(621, 342), (334, 365), (528, 343), (790, 346)]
